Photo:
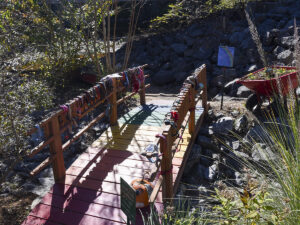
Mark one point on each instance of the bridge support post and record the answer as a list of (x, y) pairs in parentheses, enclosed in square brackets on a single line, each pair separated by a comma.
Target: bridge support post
[(166, 167), (56, 151), (113, 103), (142, 94), (192, 111), (204, 94)]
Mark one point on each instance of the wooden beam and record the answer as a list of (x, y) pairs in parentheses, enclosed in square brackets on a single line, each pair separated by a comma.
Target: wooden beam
[(113, 103), (58, 164), (42, 166), (40, 147), (130, 95), (156, 189), (81, 132)]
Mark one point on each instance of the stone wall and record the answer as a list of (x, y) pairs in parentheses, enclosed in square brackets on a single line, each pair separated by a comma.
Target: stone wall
[(173, 56)]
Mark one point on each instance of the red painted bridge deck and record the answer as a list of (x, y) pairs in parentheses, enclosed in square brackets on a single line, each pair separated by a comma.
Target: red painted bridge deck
[(90, 191)]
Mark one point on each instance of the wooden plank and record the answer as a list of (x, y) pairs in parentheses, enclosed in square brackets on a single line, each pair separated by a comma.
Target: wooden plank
[(114, 163), (57, 215), (58, 164), (32, 220), (113, 103), (123, 154), (88, 195), (109, 176), (87, 208)]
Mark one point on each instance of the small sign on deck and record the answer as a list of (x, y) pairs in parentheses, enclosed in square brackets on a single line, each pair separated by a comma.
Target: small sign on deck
[(225, 56), (128, 201)]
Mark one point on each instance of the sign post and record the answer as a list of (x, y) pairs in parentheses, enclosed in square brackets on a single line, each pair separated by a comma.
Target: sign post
[(128, 202), (225, 59)]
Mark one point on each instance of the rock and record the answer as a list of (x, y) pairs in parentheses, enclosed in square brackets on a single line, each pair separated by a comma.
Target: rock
[(233, 145), (298, 91), (196, 30), (179, 48), (256, 134), (262, 153), (196, 152), (181, 76), (206, 142), (243, 92), (231, 87), (278, 50), (167, 66), (213, 171), (286, 57), (201, 172), (238, 178), (163, 77), (217, 81), (206, 157), (236, 38), (287, 41), (189, 41), (203, 53), (189, 52), (223, 125), (240, 124), (235, 113)]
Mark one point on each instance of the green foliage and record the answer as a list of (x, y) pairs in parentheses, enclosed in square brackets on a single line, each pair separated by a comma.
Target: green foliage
[(180, 215), (62, 36), (250, 207), (19, 97), (174, 14), (183, 12)]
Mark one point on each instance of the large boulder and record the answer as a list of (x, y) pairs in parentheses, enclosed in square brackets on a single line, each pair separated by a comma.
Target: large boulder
[(179, 48), (286, 57), (203, 53), (196, 30), (163, 77), (223, 125), (206, 143), (262, 153), (236, 38), (287, 41), (231, 87), (240, 124), (243, 92)]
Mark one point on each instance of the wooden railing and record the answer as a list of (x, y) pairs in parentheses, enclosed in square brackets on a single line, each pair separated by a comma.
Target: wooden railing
[(62, 120), (183, 111)]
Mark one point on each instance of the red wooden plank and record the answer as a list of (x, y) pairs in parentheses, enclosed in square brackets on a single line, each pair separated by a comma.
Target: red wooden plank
[(88, 195), (110, 163), (106, 175), (92, 209), (32, 220), (124, 154), (67, 217), (116, 153), (87, 208)]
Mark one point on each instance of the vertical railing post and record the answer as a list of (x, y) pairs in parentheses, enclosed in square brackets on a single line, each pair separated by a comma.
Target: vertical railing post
[(204, 94), (166, 167), (113, 103), (143, 93), (192, 108), (58, 165)]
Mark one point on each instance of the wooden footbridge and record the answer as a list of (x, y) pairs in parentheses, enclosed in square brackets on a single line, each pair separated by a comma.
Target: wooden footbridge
[(88, 192)]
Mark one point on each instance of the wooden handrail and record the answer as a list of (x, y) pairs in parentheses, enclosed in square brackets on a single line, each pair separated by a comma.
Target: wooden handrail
[(53, 129), (185, 103)]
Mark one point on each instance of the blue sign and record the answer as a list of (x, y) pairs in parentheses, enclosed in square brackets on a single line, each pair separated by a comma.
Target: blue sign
[(226, 56)]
